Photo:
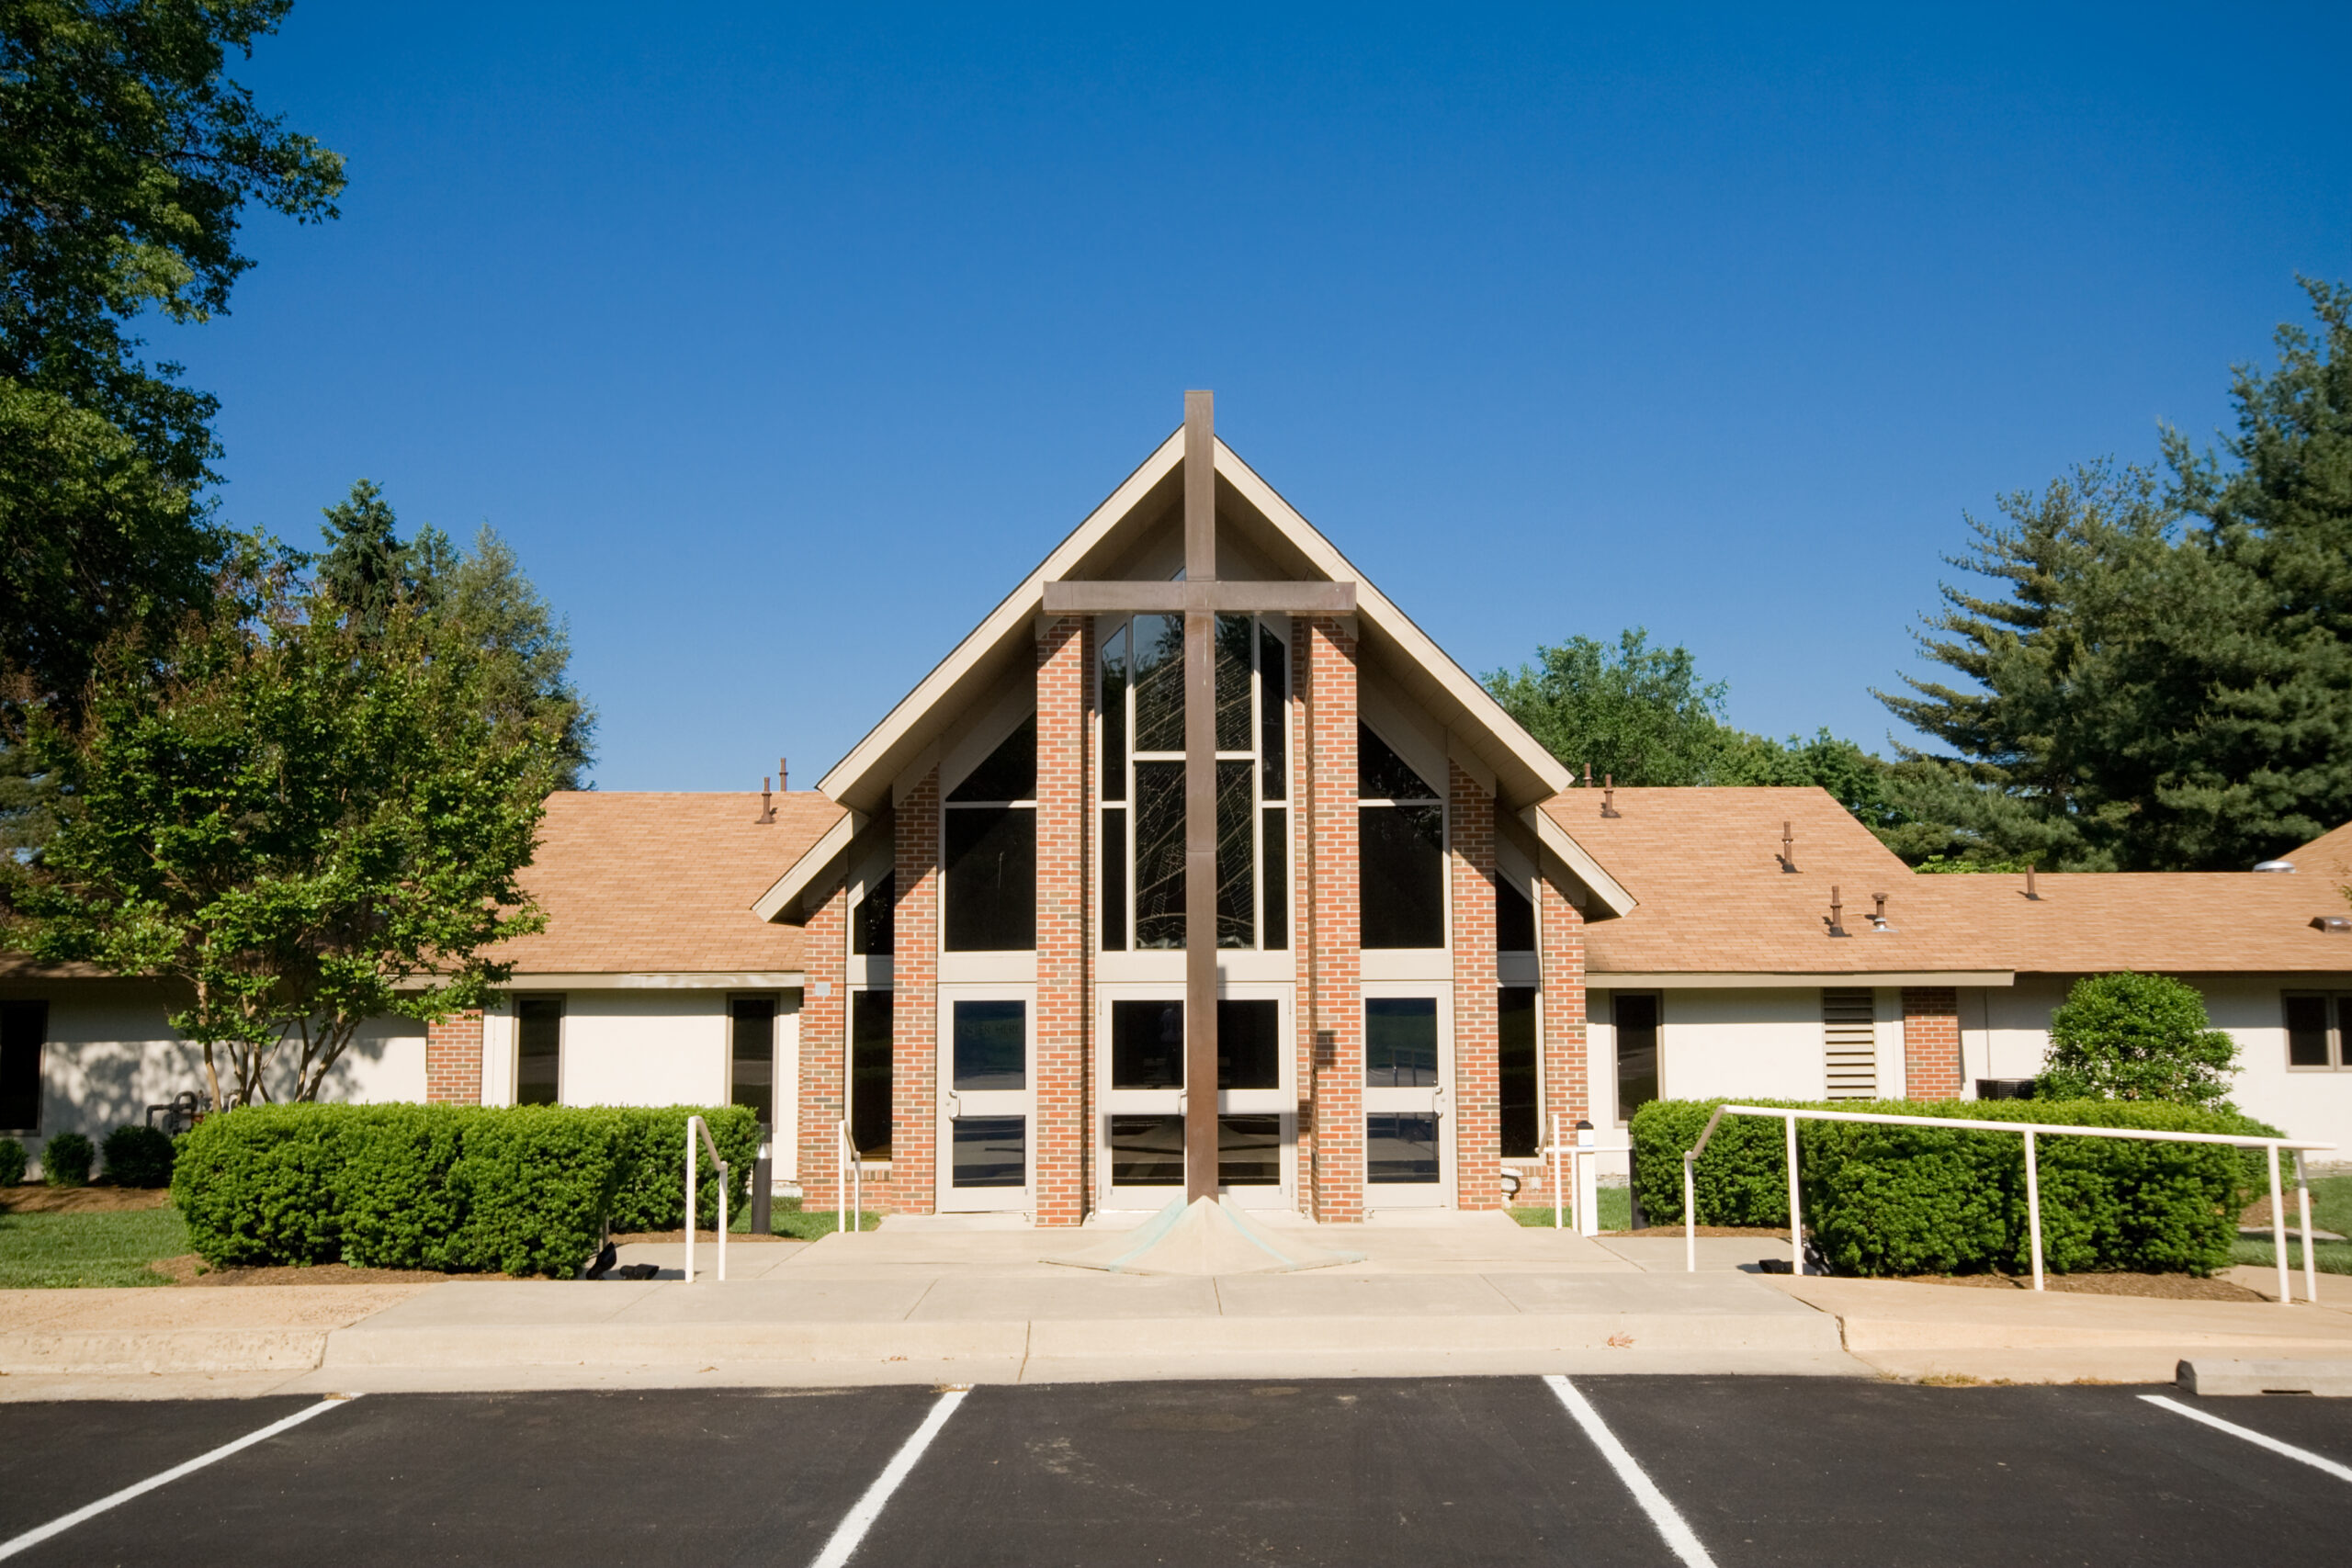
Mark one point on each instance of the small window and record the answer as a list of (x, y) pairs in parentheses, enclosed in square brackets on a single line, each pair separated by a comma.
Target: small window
[(2316, 1030), (992, 1046), (752, 1024), (1635, 1015), (874, 927), (1400, 850), (1148, 1044), (870, 1032), (1399, 1042), (1250, 1150), (1248, 1045), (1400, 1149), (1515, 1052), (24, 1029), (539, 1051), (1514, 918)]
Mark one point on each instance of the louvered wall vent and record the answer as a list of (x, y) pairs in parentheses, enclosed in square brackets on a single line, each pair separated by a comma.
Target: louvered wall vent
[(1849, 1044)]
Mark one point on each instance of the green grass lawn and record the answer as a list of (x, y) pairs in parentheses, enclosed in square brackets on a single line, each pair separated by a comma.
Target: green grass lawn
[(2331, 1211), (88, 1249), (1616, 1211), (788, 1218)]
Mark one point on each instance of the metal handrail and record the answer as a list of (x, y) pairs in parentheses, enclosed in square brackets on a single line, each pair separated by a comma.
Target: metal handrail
[(2031, 1130), (852, 1178), (695, 1124)]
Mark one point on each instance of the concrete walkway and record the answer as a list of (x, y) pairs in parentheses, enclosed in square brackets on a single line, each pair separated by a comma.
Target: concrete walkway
[(971, 1301)]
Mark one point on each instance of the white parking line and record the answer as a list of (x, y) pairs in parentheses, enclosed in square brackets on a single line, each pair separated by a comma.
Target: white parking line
[(1679, 1534), (850, 1531), (35, 1537), (2341, 1472)]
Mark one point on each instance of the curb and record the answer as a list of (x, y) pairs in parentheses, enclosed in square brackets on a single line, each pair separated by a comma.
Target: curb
[(163, 1351)]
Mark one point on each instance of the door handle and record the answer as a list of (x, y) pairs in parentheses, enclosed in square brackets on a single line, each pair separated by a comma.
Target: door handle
[(953, 1103)]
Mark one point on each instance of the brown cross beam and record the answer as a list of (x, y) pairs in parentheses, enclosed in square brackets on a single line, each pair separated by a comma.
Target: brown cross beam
[(1200, 598)]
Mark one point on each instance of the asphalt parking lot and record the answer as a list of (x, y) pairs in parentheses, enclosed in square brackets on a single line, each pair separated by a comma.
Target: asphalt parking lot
[(1370, 1473)]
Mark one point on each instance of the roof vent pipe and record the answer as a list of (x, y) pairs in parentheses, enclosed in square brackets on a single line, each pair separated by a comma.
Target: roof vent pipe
[(2029, 884), (1609, 795), (767, 807), (1588, 776), (783, 777), (1878, 913), (1788, 847), (1836, 914)]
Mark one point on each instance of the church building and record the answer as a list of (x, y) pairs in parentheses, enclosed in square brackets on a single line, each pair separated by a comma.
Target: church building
[(1197, 867)]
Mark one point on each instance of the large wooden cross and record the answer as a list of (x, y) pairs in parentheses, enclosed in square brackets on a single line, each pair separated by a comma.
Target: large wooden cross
[(1200, 598)]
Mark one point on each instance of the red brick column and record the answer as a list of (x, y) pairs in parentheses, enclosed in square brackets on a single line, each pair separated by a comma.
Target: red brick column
[(1930, 1043), (1476, 1096), (824, 1046), (453, 1059), (1330, 938), (1567, 1077), (914, 974), (1061, 1126)]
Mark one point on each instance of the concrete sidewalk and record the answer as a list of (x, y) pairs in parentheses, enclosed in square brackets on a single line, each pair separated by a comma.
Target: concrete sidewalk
[(972, 1302)]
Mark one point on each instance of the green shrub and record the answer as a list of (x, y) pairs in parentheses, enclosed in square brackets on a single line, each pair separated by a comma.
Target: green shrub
[(526, 1189), (1902, 1200), (139, 1155), (2143, 1037), (12, 1162), (654, 1185), (65, 1160)]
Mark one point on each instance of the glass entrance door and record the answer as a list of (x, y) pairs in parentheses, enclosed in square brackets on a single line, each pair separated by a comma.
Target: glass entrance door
[(1406, 1135), (988, 1102), (1146, 1101)]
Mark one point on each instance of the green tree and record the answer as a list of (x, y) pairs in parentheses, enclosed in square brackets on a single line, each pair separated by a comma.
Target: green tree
[(2128, 1037), (1638, 713), (304, 821), (127, 161), (2161, 679), (480, 596)]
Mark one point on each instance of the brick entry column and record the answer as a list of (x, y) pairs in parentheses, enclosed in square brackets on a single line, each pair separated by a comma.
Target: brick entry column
[(824, 1046), (1061, 1148), (1477, 1094), (453, 1059), (1329, 936), (914, 1017), (1930, 1043), (1567, 1077)]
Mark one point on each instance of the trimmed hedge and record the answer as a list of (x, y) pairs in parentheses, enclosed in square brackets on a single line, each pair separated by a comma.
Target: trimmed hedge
[(12, 1162), (1895, 1200), (65, 1160), (139, 1155), (522, 1189)]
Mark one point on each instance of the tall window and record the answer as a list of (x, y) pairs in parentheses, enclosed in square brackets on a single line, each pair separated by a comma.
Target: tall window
[(539, 1051), (1636, 1016), (1514, 918), (1401, 848), (24, 1026), (1141, 690), (870, 1017), (751, 1031), (1515, 1047), (873, 924), (991, 852)]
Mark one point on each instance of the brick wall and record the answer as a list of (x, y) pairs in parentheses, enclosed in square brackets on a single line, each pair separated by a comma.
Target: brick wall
[(1931, 1042), (1567, 1077), (1329, 935), (1062, 1147), (453, 1060), (1476, 1096), (824, 1046), (914, 969)]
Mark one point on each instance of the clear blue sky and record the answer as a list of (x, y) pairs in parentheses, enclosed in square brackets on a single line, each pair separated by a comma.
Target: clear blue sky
[(782, 341)]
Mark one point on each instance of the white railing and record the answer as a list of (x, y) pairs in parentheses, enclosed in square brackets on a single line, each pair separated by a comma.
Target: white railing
[(1578, 1151), (695, 1125), (849, 1190), (2031, 1130)]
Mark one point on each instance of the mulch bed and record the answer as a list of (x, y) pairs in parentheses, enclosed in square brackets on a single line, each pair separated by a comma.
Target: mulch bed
[(33, 1197), (1705, 1230), (189, 1270), (2163, 1286)]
